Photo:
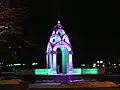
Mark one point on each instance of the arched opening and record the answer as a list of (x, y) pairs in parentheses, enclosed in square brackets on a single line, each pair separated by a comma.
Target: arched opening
[(59, 61)]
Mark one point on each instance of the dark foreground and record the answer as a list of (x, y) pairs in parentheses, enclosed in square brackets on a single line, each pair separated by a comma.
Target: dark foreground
[(77, 89), (26, 86)]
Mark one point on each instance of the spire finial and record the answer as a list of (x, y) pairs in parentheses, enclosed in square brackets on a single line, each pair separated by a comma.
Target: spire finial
[(58, 18)]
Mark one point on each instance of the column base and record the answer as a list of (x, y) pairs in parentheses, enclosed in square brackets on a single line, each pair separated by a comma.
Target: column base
[(70, 73)]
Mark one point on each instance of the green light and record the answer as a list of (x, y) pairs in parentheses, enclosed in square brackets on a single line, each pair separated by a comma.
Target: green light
[(89, 71), (49, 71), (42, 71), (77, 71), (64, 59), (56, 39)]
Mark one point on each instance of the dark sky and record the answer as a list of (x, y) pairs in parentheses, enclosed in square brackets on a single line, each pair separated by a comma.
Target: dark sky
[(93, 27)]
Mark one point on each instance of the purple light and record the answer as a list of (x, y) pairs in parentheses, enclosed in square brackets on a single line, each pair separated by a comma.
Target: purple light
[(61, 43), (54, 37), (65, 37), (60, 26)]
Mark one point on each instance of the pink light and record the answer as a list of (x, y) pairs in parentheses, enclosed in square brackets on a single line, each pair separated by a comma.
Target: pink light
[(60, 26), (61, 43), (66, 38)]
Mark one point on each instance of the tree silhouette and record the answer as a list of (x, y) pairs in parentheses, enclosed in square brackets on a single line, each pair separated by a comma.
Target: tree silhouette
[(11, 32)]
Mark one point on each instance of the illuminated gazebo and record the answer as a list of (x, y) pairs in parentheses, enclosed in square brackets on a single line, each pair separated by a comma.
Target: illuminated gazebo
[(59, 43), (59, 40)]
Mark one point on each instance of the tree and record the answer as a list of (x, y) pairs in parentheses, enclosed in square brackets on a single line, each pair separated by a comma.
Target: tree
[(11, 20)]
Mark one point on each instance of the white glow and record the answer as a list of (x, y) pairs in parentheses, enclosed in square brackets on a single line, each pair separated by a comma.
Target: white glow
[(97, 61), (58, 22), (101, 61), (53, 32), (51, 64), (17, 64), (54, 63), (119, 64), (34, 64), (70, 62), (114, 64), (23, 64), (94, 64), (103, 65), (98, 65)]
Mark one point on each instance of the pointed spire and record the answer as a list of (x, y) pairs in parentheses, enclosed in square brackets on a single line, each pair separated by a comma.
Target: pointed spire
[(58, 18)]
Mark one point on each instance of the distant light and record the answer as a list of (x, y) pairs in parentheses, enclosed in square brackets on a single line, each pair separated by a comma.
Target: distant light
[(1, 26), (19, 46), (94, 64), (101, 61), (9, 47), (82, 64), (15, 52), (98, 65), (33, 64), (17, 64), (103, 65), (119, 64), (114, 64), (97, 61), (23, 64), (6, 27)]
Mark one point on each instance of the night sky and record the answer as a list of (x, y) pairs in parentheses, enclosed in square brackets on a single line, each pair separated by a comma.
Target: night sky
[(93, 27)]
